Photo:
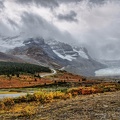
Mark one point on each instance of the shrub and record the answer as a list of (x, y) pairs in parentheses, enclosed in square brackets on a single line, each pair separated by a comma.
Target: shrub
[(58, 95), (20, 99), (48, 97), (8, 101), (67, 96), (28, 111), (43, 97), (38, 96), (86, 91), (75, 91), (2, 105), (106, 89)]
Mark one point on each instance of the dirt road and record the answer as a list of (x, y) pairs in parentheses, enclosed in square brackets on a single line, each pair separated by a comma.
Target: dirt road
[(49, 74)]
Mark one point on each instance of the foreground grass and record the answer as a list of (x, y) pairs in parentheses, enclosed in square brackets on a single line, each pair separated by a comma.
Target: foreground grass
[(27, 106)]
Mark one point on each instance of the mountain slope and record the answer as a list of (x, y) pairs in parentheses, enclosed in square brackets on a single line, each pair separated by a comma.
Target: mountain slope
[(35, 49), (9, 58), (57, 54), (80, 61)]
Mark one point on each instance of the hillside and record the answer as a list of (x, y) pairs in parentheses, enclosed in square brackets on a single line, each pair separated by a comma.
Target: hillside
[(9, 58)]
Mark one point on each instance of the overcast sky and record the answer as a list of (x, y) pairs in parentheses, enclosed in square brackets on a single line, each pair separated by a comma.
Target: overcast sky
[(94, 24)]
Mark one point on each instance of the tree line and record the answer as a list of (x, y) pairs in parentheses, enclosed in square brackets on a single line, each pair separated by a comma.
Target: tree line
[(17, 68)]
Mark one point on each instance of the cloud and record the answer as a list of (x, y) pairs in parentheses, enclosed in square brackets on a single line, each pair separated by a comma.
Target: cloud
[(34, 26), (4, 29), (101, 30), (56, 3), (90, 2), (13, 24), (98, 1), (1, 5), (94, 23), (69, 1), (44, 3), (69, 17)]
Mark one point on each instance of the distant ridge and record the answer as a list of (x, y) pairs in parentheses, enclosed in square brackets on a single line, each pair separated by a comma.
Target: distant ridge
[(9, 58)]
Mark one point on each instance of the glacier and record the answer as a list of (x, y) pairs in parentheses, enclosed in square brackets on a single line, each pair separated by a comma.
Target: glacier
[(111, 71)]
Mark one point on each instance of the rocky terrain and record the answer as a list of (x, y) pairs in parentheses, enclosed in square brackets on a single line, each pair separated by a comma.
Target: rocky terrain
[(105, 106)]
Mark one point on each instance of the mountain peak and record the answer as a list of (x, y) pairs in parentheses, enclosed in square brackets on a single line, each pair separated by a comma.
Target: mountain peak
[(34, 41)]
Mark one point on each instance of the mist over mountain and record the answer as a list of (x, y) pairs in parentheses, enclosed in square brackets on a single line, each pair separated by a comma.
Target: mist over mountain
[(75, 32), (90, 23), (55, 54)]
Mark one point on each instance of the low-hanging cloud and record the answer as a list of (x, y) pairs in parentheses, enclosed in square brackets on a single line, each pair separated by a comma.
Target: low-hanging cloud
[(44, 3), (93, 23), (35, 25), (70, 17)]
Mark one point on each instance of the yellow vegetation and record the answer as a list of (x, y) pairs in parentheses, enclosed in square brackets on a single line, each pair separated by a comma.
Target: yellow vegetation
[(20, 105)]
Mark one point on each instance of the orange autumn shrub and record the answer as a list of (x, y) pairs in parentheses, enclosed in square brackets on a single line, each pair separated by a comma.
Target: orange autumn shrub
[(86, 91), (90, 90), (75, 91)]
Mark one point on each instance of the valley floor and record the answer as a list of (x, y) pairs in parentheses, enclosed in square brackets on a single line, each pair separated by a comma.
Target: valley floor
[(101, 106)]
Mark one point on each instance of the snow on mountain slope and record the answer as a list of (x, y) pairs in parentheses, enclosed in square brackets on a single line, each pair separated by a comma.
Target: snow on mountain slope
[(82, 53), (65, 51), (67, 57)]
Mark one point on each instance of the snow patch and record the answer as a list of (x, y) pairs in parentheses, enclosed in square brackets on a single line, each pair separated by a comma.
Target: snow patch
[(82, 54), (67, 57)]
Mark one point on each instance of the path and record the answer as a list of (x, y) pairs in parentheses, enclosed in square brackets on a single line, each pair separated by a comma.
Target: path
[(49, 74)]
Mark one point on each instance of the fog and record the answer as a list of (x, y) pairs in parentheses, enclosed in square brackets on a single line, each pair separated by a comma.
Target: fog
[(94, 24)]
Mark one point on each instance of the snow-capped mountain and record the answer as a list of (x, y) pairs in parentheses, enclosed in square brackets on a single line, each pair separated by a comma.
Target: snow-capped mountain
[(65, 51), (80, 61), (57, 54)]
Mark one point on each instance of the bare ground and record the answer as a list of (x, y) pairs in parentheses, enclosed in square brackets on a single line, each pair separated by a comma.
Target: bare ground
[(101, 106)]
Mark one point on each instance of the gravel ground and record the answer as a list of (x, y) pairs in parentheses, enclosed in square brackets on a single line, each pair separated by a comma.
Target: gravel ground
[(105, 106)]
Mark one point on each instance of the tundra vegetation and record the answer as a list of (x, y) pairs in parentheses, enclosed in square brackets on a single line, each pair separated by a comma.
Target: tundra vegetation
[(61, 86), (27, 105)]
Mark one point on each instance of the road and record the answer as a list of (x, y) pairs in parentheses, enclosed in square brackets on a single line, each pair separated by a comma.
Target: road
[(49, 74)]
